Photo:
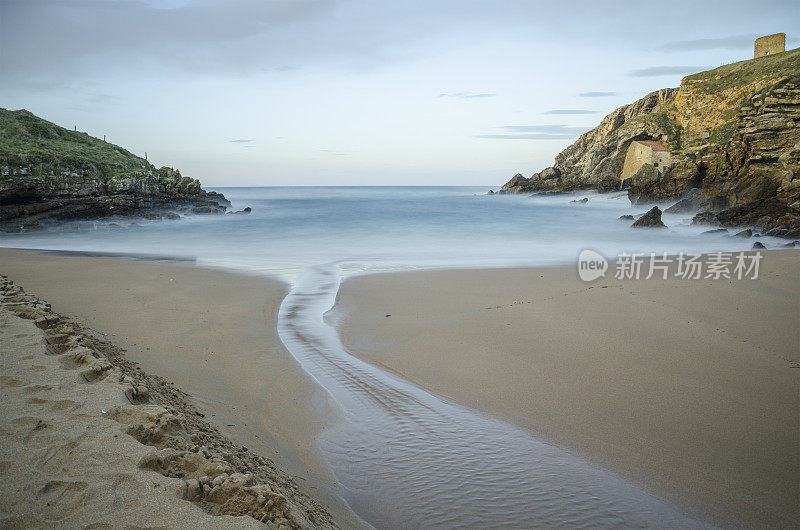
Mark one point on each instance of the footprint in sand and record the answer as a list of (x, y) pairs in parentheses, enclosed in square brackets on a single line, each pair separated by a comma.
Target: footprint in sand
[(64, 404), (63, 496), (32, 389), (26, 421), (8, 381)]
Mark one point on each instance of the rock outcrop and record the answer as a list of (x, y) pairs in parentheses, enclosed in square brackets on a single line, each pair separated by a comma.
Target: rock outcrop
[(50, 173), (595, 160), (651, 219), (734, 135)]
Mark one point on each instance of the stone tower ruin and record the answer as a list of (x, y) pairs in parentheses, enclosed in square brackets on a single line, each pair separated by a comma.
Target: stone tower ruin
[(769, 45)]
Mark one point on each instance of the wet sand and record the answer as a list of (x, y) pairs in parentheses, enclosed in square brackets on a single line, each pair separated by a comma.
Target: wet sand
[(210, 333), (688, 388)]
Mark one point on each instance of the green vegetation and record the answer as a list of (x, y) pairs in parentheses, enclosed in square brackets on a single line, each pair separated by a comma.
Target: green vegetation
[(722, 134), (746, 72), (730, 87), (27, 141), (663, 122)]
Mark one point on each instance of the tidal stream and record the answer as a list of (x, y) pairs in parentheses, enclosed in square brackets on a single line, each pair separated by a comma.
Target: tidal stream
[(408, 459)]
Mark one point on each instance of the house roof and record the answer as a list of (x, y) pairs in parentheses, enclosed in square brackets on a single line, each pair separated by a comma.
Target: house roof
[(655, 145)]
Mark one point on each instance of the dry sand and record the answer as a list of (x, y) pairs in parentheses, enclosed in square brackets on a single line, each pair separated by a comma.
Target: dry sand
[(689, 388), (210, 333), (65, 463), (90, 440)]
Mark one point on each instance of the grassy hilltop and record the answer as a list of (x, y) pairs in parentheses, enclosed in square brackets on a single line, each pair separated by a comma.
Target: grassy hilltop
[(41, 147), (50, 173), (710, 101)]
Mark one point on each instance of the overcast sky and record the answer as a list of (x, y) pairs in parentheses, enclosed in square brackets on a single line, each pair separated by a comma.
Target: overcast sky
[(352, 92)]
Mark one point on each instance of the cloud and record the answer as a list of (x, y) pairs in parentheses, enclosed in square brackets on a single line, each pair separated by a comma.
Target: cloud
[(657, 71), (537, 132), (241, 141), (466, 95), (734, 42), (598, 94), (570, 111), (83, 37)]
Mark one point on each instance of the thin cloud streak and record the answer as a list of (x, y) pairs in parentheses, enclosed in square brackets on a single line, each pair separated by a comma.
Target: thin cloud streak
[(597, 94), (547, 129), (570, 111), (241, 141), (466, 95), (536, 132), (658, 71), (529, 136), (734, 42)]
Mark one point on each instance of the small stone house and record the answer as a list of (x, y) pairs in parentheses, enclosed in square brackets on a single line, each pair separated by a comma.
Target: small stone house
[(642, 152)]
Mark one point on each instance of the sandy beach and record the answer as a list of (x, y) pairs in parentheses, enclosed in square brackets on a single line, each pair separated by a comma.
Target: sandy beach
[(688, 388), (210, 333)]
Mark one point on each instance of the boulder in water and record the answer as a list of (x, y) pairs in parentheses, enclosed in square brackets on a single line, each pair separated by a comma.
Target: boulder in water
[(652, 219)]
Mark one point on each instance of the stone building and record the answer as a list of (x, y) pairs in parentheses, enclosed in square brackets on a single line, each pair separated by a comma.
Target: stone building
[(769, 45), (642, 152)]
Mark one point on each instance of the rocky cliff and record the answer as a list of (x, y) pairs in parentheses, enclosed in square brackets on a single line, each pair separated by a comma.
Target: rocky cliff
[(734, 133), (51, 173)]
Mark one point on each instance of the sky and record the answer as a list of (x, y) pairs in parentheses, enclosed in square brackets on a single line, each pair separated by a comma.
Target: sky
[(359, 92)]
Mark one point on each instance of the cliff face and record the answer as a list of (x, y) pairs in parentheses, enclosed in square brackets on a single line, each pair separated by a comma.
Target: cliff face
[(48, 173), (734, 133), (595, 160)]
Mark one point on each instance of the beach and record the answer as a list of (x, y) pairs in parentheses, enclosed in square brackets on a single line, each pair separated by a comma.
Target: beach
[(688, 388), (210, 333)]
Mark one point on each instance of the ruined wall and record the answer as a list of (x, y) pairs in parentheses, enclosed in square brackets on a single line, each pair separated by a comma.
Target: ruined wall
[(636, 156), (769, 45)]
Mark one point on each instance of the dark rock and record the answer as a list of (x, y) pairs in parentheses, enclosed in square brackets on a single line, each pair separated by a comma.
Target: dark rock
[(171, 216), (490, 192), (550, 173), (626, 217), (716, 231), (581, 201), (651, 219), (793, 244), (207, 210), (705, 218), (758, 245), (73, 197), (240, 212), (744, 233)]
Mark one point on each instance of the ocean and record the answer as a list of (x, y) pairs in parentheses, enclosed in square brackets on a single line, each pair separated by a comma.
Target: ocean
[(385, 228)]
